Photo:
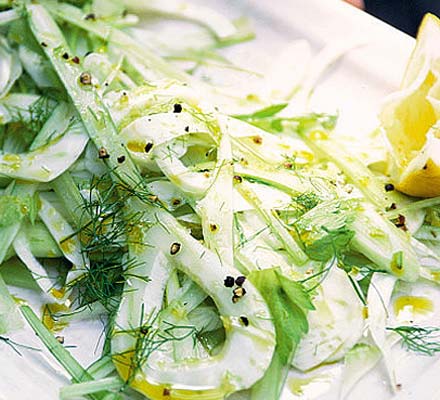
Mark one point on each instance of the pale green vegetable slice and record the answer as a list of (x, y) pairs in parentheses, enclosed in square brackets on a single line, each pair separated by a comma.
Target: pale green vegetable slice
[(217, 376), (9, 230), (254, 243), (10, 67), (216, 208), (275, 224), (9, 317), (378, 300), (361, 359), (37, 67), (389, 247), (66, 239), (45, 281), (336, 324), (219, 24), (157, 67), (41, 241), (8, 16), (46, 163)]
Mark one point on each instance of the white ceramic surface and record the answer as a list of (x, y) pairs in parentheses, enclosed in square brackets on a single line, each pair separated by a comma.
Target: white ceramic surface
[(354, 87)]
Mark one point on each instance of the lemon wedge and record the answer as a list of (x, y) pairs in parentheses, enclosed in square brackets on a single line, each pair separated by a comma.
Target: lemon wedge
[(411, 118)]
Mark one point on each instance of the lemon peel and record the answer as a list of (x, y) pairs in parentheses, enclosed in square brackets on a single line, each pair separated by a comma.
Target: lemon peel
[(411, 118)]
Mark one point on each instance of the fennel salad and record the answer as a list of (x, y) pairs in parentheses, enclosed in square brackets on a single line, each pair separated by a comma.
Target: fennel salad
[(229, 242)]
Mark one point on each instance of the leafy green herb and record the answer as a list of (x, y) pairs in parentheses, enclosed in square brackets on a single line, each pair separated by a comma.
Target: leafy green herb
[(289, 303), (333, 243), (325, 231), (307, 201), (306, 123)]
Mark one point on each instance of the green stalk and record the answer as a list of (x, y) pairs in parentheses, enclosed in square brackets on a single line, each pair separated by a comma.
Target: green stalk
[(291, 182), (102, 367), (283, 181), (276, 226), (42, 243), (75, 16), (88, 388), (79, 85), (68, 362), (414, 206), (370, 185), (70, 196)]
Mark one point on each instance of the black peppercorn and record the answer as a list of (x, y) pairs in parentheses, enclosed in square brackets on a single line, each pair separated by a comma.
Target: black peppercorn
[(229, 281), (389, 187), (240, 280)]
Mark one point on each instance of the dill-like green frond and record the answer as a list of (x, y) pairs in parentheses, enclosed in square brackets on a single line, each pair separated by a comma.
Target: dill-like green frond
[(16, 346), (423, 340), (150, 336), (104, 235), (26, 123)]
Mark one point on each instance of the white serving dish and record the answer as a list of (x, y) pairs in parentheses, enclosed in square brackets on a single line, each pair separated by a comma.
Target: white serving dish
[(354, 87)]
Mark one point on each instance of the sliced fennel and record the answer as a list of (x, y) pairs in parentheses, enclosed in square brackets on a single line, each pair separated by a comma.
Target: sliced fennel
[(226, 237), (10, 67), (219, 24), (358, 362), (63, 233), (42, 276), (211, 378), (49, 161), (379, 295), (336, 324), (9, 319)]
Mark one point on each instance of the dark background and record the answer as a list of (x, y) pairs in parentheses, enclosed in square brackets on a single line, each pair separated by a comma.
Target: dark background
[(405, 15)]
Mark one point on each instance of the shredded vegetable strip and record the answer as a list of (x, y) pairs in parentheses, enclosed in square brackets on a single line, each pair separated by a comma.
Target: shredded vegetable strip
[(228, 238)]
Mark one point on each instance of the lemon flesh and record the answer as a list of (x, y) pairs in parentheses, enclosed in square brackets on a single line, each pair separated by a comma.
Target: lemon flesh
[(411, 118)]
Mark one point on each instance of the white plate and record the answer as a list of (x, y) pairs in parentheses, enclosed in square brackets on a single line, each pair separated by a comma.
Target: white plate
[(354, 87)]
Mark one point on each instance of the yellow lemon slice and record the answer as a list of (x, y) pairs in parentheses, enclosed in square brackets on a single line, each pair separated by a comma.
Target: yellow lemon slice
[(410, 118)]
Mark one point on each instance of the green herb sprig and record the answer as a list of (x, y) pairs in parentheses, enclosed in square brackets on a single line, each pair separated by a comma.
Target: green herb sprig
[(423, 340)]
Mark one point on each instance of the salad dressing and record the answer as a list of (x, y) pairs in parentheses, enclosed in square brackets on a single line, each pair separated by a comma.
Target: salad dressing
[(311, 387), (416, 305), (50, 310), (228, 245), (165, 392)]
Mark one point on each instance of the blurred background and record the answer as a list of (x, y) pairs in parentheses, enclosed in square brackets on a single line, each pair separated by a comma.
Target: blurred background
[(405, 15)]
